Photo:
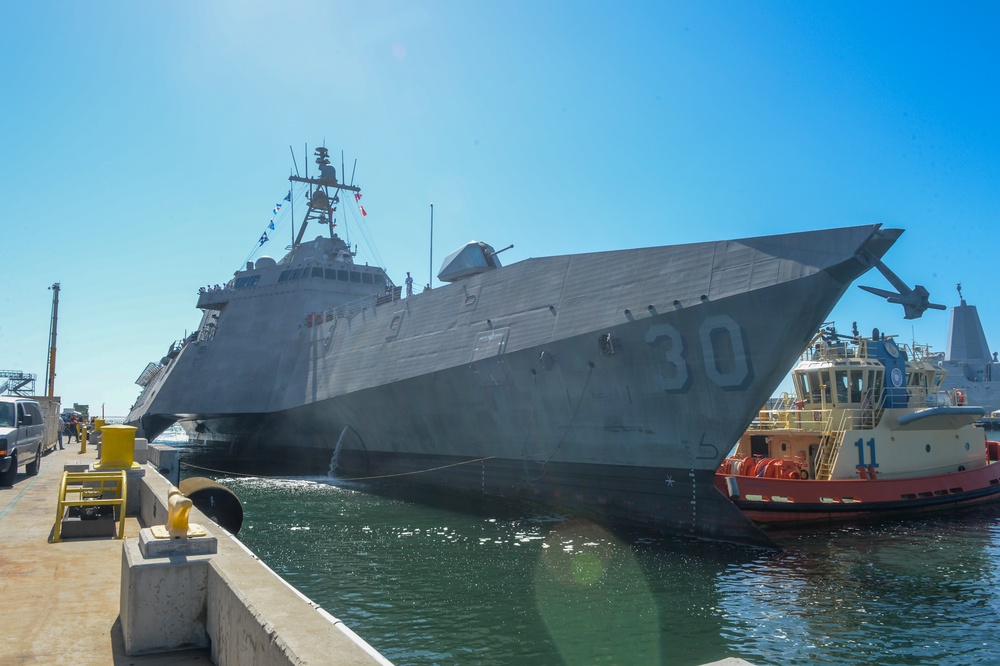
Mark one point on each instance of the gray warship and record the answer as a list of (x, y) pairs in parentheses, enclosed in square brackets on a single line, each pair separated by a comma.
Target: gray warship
[(610, 384), (972, 369)]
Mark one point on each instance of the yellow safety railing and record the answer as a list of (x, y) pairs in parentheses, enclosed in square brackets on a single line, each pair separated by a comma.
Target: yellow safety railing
[(92, 489)]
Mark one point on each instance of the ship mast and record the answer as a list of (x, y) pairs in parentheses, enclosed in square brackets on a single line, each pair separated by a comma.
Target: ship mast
[(321, 205), (50, 373)]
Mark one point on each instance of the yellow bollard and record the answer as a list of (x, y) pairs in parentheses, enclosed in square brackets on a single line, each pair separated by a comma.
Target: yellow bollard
[(117, 447), (81, 434), (177, 516), (98, 424), (178, 527)]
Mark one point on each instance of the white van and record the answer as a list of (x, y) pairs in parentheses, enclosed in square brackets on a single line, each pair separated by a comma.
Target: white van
[(22, 437)]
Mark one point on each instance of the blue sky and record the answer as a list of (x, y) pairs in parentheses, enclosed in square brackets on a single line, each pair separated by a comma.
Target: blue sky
[(145, 144)]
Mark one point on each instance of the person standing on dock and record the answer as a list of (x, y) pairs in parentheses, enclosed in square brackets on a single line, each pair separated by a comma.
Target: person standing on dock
[(72, 428), (409, 284), (59, 431)]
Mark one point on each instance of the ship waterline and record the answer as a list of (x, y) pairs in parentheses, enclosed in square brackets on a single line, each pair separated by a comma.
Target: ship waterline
[(611, 383)]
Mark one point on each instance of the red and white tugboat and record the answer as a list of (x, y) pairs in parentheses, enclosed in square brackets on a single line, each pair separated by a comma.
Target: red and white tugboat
[(869, 432)]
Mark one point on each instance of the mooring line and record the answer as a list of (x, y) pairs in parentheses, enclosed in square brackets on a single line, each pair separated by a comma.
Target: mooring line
[(356, 478)]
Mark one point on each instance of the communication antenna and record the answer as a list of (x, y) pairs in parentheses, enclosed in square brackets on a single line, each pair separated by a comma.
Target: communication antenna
[(430, 264)]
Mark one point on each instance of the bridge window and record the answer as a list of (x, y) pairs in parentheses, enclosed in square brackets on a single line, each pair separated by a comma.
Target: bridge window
[(366, 278), (856, 379), (284, 276), (355, 277), (342, 275), (317, 272), (840, 379)]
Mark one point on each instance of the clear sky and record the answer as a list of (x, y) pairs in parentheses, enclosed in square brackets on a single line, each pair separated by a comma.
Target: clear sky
[(144, 145)]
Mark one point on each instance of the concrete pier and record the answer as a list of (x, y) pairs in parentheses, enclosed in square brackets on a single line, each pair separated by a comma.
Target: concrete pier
[(62, 600)]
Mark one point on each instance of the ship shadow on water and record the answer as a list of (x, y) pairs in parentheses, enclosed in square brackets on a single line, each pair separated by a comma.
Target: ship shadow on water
[(212, 458), (220, 459), (430, 577)]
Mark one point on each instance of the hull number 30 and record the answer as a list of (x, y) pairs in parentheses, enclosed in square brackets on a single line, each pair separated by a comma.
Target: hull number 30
[(723, 347)]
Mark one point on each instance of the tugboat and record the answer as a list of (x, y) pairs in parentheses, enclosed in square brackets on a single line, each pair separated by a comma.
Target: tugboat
[(609, 383), (869, 432)]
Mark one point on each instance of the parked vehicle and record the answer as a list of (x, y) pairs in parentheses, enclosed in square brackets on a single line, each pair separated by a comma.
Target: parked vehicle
[(22, 437)]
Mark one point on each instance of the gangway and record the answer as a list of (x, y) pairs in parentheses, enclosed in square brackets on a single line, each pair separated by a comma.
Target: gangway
[(17, 383)]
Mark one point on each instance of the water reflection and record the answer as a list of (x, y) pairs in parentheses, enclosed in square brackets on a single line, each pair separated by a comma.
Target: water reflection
[(905, 592), (587, 585)]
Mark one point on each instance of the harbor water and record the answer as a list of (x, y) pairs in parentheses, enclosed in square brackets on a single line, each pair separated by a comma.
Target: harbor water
[(456, 583)]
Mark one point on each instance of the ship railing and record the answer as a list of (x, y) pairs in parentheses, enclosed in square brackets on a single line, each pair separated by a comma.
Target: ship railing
[(151, 372), (348, 310), (794, 418), (920, 397), (825, 351), (858, 349), (921, 353), (213, 298), (871, 410)]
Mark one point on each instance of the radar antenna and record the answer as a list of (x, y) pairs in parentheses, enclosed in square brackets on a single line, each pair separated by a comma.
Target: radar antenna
[(323, 200)]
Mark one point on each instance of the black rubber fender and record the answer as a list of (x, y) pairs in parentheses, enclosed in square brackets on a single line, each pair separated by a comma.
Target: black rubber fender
[(214, 500)]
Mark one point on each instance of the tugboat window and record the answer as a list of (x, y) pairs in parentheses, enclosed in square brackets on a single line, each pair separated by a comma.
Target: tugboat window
[(841, 381), (317, 272), (284, 276), (355, 276), (366, 278), (331, 273), (342, 275), (856, 386)]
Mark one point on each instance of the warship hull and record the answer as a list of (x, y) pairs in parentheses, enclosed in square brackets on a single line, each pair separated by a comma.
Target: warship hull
[(610, 383)]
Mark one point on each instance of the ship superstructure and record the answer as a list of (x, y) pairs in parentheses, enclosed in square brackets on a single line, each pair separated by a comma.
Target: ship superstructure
[(972, 368)]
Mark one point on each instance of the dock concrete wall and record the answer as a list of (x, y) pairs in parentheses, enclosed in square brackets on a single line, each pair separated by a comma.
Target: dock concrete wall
[(252, 616)]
